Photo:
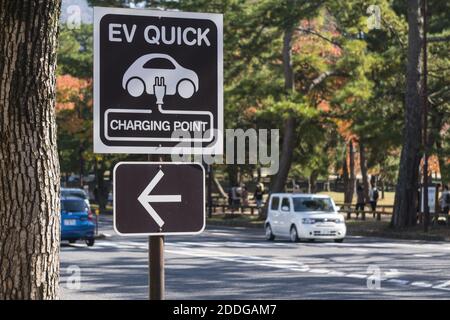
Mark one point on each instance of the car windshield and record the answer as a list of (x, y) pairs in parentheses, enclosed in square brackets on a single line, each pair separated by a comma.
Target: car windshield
[(74, 193), (73, 206), (304, 204)]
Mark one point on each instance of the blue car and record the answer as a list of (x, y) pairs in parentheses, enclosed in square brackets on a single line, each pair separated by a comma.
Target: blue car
[(77, 221)]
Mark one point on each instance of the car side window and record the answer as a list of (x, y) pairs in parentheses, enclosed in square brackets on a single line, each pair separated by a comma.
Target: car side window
[(275, 203), (158, 63), (286, 203)]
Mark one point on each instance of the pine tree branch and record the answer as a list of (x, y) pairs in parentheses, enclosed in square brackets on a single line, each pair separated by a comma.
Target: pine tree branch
[(317, 34)]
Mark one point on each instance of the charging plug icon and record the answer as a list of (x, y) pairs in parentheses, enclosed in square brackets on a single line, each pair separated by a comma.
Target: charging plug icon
[(159, 89)]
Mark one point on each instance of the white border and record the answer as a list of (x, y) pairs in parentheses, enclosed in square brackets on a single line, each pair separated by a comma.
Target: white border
[(157, 233), (99, 146), (205, 113)]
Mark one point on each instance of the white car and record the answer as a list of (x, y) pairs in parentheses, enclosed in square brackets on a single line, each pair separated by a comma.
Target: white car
[(304, 216), (141, 76)]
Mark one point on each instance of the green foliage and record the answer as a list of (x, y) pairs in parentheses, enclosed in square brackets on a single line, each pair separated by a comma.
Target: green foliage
[(75, 52), (345, 75)]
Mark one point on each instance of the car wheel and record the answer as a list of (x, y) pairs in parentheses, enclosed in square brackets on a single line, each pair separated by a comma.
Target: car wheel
[(339, 240), (72, 241), (90, 242), (269, 234), (294, 234), (135, 87), (186, 88)]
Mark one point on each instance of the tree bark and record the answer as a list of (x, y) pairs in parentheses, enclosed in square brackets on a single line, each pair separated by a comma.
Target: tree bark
[(363, 165), (312, 185), (443, 166), (29, 167), (405, 204), (349, 174), (286, 156), (289, 139), (287, 61), (345, 177)]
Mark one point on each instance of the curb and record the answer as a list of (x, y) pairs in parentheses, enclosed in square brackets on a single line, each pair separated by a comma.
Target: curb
[(102, 236)]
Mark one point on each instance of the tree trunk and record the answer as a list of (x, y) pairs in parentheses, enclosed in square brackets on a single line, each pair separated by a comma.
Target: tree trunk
[(81, 164), (349, 174), (443, 166), (363, 165), (345, 177), (29, 168), (405, 210), (287, 61), (289, 139), (286, 156), (312, 186)]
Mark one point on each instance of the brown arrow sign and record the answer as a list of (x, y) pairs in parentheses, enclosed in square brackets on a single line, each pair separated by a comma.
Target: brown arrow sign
[(159, 198)]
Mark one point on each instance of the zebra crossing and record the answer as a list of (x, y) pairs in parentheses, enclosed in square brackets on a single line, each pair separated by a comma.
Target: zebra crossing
[(209, 250)]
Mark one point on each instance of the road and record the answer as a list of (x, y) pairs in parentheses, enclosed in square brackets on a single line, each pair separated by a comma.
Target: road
[(233, 263)]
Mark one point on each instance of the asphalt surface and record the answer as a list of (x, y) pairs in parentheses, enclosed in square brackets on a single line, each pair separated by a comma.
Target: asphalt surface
[(234, 263)]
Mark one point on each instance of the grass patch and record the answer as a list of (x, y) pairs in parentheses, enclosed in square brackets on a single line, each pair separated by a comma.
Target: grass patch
[(236, 220), (369, 228), (339, 197), (383, 229)]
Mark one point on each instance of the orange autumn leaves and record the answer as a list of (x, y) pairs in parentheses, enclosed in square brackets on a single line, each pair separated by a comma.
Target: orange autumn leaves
[(72, 95), (69, 90)]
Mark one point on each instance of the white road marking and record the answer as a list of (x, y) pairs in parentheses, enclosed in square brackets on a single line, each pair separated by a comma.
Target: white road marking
[(221, 234), (320, 271), (385, 245), (356, 276), (443, 286), (421, 284), (398, 281), (359, 250)]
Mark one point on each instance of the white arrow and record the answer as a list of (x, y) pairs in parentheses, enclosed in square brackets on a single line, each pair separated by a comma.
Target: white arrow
[(145, 198)]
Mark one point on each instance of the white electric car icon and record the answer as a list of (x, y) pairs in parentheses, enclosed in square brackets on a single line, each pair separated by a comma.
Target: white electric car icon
[(140, 76)]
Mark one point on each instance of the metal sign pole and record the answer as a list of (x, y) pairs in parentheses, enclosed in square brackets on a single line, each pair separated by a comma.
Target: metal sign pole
[(156, 280), (210, 191), (156, 265)]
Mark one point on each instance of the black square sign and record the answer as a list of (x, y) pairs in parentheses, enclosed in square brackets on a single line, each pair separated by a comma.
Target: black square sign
[(157, 81), (159, 198)]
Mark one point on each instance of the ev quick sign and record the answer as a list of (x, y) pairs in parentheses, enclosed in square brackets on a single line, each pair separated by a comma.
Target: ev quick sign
[(157, 81)]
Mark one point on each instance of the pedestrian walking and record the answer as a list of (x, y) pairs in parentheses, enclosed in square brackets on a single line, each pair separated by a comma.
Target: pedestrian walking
[(373, 195), (258, 196), (359, 199), (244, 195), (236, 196), (445, 200), (230, 196)]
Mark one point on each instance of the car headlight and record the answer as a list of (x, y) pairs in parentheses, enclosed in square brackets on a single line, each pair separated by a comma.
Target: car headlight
[(308, 221), (339, 220)]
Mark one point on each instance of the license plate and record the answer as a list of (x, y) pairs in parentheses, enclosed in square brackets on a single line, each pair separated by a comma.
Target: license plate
[(70, 222), (325, 225)]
